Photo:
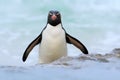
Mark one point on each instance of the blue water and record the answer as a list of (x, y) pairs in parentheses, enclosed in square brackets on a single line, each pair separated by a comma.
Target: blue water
[(94, 22)]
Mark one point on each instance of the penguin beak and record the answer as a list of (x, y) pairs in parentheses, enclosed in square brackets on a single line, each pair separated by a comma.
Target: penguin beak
[(53, 17)]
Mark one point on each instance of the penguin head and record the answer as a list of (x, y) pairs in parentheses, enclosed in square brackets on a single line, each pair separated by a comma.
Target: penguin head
[(54, 18)]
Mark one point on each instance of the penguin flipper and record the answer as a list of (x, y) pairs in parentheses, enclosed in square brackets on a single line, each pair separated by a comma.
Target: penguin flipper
[(31, 46), (77, 43)]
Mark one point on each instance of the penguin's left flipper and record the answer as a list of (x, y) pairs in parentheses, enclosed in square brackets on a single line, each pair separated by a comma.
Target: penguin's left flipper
[(31, 46), (77, 43)]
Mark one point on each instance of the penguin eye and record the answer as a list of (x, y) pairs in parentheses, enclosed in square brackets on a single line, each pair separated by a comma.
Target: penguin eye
[(58, 13), (50, 13)]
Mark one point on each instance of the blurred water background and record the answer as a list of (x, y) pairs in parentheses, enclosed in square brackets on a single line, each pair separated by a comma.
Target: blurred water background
[(96, 23)]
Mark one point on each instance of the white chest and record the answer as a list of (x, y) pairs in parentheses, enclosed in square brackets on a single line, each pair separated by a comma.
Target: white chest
[(53, 34), (53, 44)]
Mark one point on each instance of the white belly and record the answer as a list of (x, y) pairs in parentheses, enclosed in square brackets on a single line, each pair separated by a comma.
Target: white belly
[(53, 44)]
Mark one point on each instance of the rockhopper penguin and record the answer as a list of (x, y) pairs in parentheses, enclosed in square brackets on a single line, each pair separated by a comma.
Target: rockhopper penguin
[(53, 40)]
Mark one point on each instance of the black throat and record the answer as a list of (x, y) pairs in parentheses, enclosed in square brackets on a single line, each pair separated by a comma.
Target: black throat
[(54, 23)]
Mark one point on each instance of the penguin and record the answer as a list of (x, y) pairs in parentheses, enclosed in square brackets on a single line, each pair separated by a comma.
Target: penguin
[(53, 40)]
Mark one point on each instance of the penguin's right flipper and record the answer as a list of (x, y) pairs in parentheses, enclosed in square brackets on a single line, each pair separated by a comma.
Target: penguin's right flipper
[(31, 46)]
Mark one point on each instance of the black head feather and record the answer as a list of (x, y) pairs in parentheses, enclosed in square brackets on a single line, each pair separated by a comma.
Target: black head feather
[(54, 18)]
